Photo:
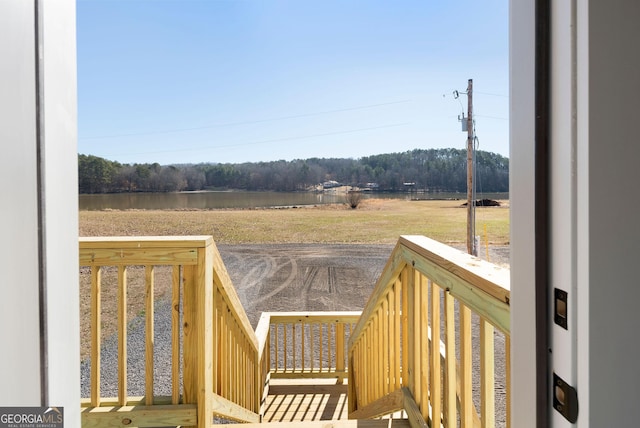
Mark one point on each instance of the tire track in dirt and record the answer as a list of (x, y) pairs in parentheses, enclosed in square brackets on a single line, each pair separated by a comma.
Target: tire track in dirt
[(254, 269), (332, 279), (303, 277), (310, 276), (276, 267)]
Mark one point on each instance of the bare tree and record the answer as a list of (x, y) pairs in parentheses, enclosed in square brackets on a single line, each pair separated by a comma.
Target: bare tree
[(353, 197)]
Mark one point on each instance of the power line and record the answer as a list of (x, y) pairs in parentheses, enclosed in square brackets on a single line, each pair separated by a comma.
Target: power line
[(493, 95), (277, 140), (248, 122), (491, 117)]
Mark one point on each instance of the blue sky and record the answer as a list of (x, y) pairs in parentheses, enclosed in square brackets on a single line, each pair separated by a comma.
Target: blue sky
[(260, 80)]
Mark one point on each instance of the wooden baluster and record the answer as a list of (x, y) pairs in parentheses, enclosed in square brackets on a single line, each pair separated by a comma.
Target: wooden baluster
[(175, 336), (487, 376), (149, 333), (236, 360), (302, 353), (332, 345), (293, 344), (417, 337), (285, 350), (450, 361), (245, 373), (96, 315), (362, 386), (276, 346), (242, 382), (375, 349), (228, 352), (221, 344), (424, 347), (230, 360), (393, 333), (436, 384), (352, 388), (373, 358), (398, 330), (385, 347), (466, 403), (320, 327), (224, 387), (311, 347), (407, 342), (362, 373), (242, 364), (339, 340), (233, 363), (122, 335), (368, 365), (365, 369), (248, 380)]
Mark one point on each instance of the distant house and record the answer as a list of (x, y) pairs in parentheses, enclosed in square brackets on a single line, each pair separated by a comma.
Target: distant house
[(330, 184)]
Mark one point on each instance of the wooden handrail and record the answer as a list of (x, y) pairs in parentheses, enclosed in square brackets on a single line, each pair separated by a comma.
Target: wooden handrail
[(220, 351), (406, 336)]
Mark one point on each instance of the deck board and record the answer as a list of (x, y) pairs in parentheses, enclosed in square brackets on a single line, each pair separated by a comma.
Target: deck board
[(313, 400), (291, 401)]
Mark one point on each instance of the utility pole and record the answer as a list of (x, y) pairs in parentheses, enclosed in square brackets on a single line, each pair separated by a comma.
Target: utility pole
[(471, 220)]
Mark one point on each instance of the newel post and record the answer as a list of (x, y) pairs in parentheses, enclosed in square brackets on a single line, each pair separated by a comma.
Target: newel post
[(198, 334)]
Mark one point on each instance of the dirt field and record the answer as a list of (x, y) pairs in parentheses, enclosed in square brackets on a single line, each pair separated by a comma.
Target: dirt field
[(299, 277)]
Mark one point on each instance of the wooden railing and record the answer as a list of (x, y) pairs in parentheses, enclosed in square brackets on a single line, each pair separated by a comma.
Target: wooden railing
[(305, 344), (220, 359), (413, 347)]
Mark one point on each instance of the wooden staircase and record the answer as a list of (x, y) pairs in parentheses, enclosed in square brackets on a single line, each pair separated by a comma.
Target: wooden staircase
[(408, 356)]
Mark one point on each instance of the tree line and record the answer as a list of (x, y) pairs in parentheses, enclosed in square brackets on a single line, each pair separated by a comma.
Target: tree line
[(442, 170)]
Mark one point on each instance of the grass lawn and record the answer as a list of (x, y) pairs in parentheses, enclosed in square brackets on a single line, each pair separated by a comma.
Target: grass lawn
[(375, 221)]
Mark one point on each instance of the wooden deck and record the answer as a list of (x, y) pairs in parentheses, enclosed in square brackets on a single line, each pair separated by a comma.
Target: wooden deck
[(316, 402), (296, 400)]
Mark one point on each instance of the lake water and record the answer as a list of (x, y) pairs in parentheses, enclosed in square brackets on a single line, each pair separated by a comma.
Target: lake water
[(218, 200)]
